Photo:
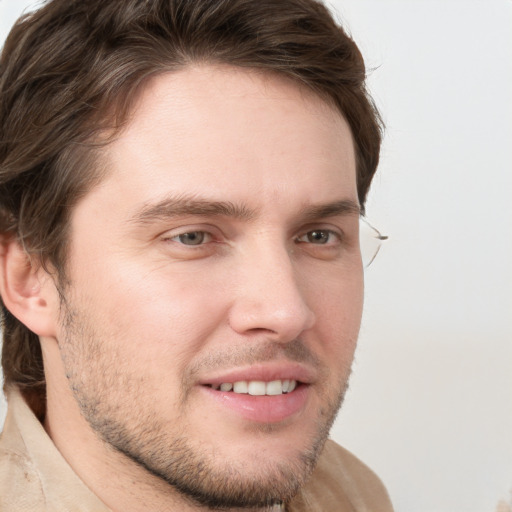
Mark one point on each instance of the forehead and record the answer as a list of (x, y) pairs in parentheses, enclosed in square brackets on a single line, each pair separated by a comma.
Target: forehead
[(222, 131)]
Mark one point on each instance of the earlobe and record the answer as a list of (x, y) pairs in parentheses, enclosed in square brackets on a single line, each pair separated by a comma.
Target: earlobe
[(27, 290)]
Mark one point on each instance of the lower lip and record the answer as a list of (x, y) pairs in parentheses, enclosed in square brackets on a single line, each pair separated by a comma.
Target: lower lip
[(262, 409)]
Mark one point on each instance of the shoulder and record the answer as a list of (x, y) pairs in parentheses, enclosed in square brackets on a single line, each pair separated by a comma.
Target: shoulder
[(20, 485), (336, 460), (342, 483)]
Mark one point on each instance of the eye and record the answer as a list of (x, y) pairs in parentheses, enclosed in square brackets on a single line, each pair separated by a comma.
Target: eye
[(192, 238), (319, 237)]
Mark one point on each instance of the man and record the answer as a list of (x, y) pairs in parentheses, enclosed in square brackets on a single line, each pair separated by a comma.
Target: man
[(181, 190)]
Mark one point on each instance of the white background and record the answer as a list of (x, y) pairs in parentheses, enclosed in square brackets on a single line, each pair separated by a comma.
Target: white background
[(430, 405)]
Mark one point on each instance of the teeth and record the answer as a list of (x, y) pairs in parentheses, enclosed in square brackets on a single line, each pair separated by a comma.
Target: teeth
[(258, 387), (240, 387), (274, 388)]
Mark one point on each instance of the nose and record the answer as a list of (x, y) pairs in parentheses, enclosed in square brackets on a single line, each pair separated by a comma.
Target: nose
[(269, 298)]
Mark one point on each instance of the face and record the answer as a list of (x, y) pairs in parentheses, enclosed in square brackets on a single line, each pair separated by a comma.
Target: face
[(215, 285)]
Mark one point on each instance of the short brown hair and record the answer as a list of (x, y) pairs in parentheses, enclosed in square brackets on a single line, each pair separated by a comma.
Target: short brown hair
[(72, 68)]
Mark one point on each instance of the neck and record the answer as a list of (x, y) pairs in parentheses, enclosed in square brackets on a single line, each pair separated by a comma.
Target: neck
[(109, 474)]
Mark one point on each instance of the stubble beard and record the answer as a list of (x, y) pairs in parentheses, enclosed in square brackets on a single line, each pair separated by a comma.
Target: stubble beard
[(106, 397)]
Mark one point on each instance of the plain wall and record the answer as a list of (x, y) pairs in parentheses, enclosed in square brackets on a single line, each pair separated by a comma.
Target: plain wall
[(430, 404)]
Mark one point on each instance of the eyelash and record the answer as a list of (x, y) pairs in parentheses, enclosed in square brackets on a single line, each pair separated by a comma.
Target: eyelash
[(208, 235), (299, 239), (329, 232)]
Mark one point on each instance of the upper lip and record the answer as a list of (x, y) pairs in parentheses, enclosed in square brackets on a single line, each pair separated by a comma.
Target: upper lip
[(265, 372)]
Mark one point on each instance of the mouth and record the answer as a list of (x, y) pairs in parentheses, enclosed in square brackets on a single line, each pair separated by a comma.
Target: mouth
[(261, 394), (257, 387)]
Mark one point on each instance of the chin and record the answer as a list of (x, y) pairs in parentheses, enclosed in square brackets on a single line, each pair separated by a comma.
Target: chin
[(250, 478)]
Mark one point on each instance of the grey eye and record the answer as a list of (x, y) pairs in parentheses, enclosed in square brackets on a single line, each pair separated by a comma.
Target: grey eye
[(192, 238)]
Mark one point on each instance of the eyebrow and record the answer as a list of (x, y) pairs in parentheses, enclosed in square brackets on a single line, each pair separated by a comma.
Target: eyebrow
[(173, 207), (334, 209)]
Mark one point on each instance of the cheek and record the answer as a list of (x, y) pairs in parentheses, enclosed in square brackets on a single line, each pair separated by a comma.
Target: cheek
[(161, 313), (338, 306)]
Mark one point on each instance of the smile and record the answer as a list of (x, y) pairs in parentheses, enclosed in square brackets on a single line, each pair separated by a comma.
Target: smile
[(257, 387), (260, 401)]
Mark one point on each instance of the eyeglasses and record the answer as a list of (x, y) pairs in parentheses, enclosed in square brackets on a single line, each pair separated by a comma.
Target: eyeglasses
[(370, 240)]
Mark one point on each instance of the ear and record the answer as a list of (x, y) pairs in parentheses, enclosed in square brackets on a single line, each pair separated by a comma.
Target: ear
[(27, 290)]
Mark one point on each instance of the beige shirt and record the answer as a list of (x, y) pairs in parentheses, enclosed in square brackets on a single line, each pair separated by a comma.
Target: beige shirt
[(34, 477)]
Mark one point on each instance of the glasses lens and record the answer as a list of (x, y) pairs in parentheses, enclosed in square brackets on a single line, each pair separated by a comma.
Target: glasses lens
[(370, 240)]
